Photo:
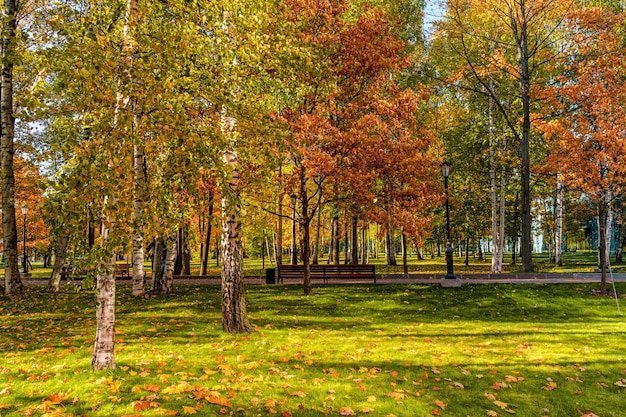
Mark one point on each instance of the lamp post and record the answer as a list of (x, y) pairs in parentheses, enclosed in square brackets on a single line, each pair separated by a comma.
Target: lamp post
[(294, 247), (24, 261), (445, 171)]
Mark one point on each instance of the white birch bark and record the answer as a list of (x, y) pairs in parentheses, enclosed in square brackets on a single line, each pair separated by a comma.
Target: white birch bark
[(558, 236)]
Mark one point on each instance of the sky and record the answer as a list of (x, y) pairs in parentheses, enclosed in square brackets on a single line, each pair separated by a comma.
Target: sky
[(433, 11)]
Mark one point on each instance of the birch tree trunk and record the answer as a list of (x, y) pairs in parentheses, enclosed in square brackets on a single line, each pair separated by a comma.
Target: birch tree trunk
[(234, 317), (60, 256), (12, 280), (104, 346), (316, 239), (140, 183), (558, 236)]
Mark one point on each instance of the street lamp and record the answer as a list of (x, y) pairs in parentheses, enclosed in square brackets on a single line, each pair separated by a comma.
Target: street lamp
[(294, 247), (445, 171), (24, 261)]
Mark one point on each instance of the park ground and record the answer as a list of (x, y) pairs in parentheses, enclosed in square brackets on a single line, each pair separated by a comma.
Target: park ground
[(366, 350)]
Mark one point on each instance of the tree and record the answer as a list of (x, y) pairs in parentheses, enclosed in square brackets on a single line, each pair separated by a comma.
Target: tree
[(519, 46), (588, 144)]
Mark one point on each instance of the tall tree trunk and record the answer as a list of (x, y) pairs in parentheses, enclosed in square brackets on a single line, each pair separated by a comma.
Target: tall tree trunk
[(158, 265), (204, 262), (390, 244), (519, 23), (316, 239), (496, 249), (278, 243), (333, 256), (59, 259), (12, 281), (602, 221), (354, 248), (139, 188), (558, 236), (467, 242), (185, 254), (405, 264), (364, 244), (619, 250), (305, 244)]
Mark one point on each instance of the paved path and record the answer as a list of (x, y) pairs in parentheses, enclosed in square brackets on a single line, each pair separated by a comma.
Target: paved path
[(520, 278)]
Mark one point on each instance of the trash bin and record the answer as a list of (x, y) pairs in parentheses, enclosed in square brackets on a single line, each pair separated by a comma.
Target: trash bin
[(270, 276)]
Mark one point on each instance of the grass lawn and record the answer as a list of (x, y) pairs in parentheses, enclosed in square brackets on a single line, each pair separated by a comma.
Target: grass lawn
[(528, 350)]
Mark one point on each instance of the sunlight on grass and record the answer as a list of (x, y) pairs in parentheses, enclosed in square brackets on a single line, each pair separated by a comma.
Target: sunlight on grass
[(553, 350)]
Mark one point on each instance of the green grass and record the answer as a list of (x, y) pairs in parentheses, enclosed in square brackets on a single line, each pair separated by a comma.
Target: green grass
[(549, 350)]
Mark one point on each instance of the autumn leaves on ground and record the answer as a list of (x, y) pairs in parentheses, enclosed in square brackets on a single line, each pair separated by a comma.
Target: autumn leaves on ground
[(553, 350)]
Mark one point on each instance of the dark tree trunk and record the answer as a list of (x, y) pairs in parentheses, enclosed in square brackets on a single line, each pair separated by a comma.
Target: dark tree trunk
[(12, 281), (334, 243), (206, 245), (354, 247), (404, 254)]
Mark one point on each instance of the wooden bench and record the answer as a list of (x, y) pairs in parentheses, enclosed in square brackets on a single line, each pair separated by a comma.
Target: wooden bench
[(328, 272), (122, 270)]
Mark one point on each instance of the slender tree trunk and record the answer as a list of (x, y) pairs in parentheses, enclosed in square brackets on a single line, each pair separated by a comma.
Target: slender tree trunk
[(390, 245), (185, 254), (346, 246), (59, 259), (364, 244), (204, 262), (496, 249), (305, 244), (619, 250), (602, 246), (158, 265), (12, 280), (278, 247), (519, 23), (334, 242), (405, 264), (467, 242), (558, 238), (354, 248), (318, 226), (140, 184)]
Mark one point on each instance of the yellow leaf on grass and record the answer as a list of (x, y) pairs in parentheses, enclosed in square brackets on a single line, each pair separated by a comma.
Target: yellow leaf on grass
[(270, 403), (298, 393), (371, 399), (501, 404), (492, 413), (57, 398), (346, 411), (551, 386), (189, 410), (366, 410)]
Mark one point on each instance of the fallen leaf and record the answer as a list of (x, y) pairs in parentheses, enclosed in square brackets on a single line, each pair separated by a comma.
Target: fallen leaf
[(140, 405), (189, 410), (298, 393), (492, 413), (501, 404), (371, 399), (346, 411), (440, 404)]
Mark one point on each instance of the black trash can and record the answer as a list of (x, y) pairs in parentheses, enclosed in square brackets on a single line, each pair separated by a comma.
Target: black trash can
[(270, 276)]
